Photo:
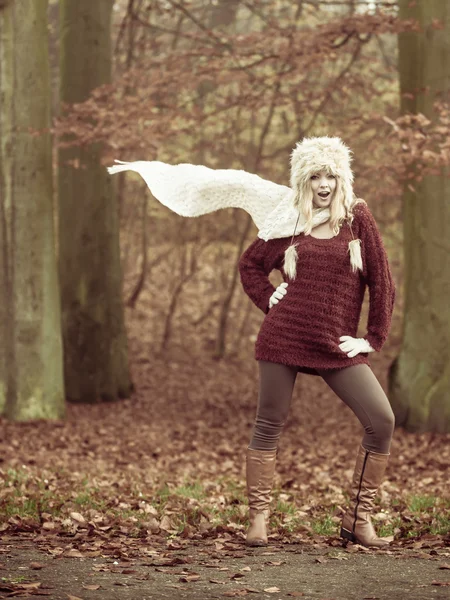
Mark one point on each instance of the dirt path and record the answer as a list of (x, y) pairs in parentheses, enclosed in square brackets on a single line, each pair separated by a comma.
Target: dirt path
[(273, 573)]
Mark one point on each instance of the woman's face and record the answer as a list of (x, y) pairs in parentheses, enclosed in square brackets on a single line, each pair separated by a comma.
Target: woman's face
[(323, 185)]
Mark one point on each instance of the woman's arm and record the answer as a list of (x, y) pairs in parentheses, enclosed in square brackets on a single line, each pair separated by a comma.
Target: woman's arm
[(379, 280), (255, 265)]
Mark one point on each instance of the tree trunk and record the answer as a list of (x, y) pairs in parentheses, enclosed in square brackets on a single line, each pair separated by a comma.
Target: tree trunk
[(420, 376), (95, 345), (31, 368), (220, 346)]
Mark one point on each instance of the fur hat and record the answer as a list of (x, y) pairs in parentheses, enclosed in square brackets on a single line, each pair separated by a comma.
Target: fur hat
[(316, 153), (308, 157)]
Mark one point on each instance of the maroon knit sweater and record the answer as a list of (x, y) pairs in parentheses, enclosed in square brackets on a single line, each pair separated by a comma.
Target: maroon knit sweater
[(324, 301)]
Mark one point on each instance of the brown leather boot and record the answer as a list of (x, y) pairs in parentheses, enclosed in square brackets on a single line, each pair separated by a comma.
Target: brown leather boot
[(356, 525), (260, 467)]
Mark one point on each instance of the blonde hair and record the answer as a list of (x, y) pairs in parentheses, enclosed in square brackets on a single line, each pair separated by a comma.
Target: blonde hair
[(341, 206), (341, 210)]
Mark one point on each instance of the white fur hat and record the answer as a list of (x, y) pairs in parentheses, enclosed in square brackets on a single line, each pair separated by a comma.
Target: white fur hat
[(310, 156), (316, 153)]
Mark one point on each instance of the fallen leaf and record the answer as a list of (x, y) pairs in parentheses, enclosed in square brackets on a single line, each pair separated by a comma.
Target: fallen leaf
[(101, 568), (36, 566), (166, 524), (77, 517), (69, 597), (272, 590), (442, 583), (91, 586), (30, 586), (169, 562), (295, 594), (188, 578), (72, 553)]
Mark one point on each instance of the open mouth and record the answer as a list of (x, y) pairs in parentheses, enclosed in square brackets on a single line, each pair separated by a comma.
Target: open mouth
[(324, 195)]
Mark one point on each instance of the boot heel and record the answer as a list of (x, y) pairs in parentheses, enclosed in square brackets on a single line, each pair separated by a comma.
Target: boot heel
[(348, 535)]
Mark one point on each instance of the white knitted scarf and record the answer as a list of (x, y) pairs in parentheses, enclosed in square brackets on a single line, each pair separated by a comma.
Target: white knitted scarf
[(194, 190)]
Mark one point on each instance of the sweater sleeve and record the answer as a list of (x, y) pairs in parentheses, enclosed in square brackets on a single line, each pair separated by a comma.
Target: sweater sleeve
[(379, 281), (255, 265)]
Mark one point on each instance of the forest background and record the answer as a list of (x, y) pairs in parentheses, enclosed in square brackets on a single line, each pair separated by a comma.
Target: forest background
[(107, 295)]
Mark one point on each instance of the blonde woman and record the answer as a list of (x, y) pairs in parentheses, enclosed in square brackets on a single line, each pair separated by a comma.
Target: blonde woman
[(328, 248), (311, 326)]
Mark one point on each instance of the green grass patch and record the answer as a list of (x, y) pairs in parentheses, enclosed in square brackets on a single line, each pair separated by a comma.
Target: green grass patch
[(161, 495), (432, 515), (191, 490), (290, 526), (385, 529), (441, 523), (88, 499), (421, 503), (22, 507), (324, 525), (286, 508), (423, 514), (13, 580), (228, 514)]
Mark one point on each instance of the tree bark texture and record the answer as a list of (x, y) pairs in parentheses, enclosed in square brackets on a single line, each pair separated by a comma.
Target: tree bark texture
[(420, 376), (95, 345), (31, 364)]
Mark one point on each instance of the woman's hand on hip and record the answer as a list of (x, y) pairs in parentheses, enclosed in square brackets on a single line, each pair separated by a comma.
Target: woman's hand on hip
[(353, 346), (278, 294)]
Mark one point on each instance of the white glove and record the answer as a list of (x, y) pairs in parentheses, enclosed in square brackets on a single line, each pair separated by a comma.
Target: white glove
[(354, 345), (278, 294)]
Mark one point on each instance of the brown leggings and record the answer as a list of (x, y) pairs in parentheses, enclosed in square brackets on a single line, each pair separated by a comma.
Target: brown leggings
[(357, 386)]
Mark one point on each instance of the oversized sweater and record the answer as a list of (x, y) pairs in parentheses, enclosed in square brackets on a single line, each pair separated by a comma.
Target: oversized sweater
[(324, 301)]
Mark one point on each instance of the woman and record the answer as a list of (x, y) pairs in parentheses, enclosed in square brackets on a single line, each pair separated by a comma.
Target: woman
[(311, 327), (312, 317)]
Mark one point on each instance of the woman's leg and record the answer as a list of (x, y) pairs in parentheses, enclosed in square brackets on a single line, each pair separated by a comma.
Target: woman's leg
[(358, 387), (276, 383)]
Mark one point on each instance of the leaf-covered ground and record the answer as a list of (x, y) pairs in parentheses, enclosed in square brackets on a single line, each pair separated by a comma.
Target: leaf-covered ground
[(163, 472), (169, 462)]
